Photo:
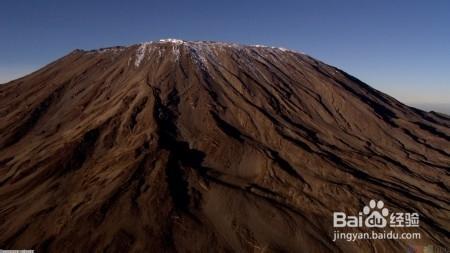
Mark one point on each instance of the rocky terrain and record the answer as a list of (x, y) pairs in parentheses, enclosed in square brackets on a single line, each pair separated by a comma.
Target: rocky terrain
[(181, 146)]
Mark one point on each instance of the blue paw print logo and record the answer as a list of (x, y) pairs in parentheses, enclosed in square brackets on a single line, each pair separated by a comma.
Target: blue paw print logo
[(376, 214)]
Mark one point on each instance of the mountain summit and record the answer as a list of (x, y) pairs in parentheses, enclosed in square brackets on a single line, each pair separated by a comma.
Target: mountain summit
[(178, 146)]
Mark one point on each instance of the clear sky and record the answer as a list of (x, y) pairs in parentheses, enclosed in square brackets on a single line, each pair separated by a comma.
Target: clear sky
[(399, 47)]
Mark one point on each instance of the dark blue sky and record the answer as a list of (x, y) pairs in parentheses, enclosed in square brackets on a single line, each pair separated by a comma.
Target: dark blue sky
[(399, 47)]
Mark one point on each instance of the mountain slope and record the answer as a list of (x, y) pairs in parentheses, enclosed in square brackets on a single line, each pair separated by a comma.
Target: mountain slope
[(192, 146)]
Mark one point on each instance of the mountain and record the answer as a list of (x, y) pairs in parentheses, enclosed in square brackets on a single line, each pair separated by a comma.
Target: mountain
[(198, 146)]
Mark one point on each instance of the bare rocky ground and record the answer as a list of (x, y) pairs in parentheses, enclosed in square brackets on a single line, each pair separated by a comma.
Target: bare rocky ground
[(176, 146)]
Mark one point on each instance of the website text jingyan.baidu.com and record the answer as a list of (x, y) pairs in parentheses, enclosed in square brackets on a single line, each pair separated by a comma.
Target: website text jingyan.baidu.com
[(373, 235), (375, 216)]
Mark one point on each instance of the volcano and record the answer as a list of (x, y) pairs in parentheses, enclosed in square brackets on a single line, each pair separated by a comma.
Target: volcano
[(200, 146)]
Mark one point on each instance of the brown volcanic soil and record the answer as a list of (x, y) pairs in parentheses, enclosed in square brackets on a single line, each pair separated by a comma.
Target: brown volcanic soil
[(210, 147)]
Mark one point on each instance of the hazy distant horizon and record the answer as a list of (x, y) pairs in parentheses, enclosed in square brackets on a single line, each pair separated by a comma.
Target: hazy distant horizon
[(437, 107)]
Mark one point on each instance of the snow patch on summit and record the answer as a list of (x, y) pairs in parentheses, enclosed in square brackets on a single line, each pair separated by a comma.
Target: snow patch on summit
[(277, 48), (140, 53), (176, 52), (176, 41), (202, 50), (146, 47)]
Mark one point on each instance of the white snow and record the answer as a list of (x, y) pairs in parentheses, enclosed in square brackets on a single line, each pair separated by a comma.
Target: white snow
[(203, 51), (277, 48), (140, 53), (176, 41), (176, 52)]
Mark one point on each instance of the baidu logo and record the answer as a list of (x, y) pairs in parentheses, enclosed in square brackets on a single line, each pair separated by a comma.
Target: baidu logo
[(378, 217), (375, 215)]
